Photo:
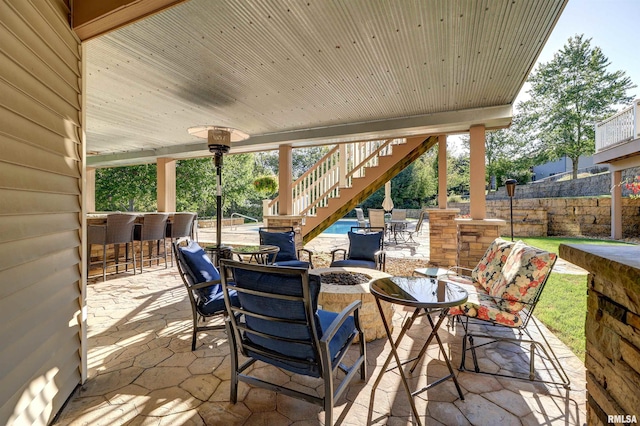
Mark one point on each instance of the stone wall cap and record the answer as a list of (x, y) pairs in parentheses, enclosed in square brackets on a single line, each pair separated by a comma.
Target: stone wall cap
[(480, 222), (455, 210)]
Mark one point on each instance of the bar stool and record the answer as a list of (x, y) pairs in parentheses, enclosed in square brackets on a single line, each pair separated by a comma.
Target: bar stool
[(118, 230), (180, 226), (152, 229)]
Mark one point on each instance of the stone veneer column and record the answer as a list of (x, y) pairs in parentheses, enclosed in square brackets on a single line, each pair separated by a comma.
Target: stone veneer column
[(474, 237), (443, 237), (282, 220), (612, 330)]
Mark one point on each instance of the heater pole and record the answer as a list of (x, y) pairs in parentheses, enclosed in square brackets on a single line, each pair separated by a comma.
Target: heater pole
[(218, 164)]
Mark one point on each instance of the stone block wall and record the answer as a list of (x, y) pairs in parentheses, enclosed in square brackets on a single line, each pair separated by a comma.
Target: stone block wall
[(443, 237), (589, 216), (591, 186), (612, 329), (474, 237), (613, 350)]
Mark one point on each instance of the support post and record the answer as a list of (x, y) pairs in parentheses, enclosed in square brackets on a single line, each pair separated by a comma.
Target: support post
[(285, 179), (166, 176), (442, 171), (616, 204), (478, 209), (90, 190)]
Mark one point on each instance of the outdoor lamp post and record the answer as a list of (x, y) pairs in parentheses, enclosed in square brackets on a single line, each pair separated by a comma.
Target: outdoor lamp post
[(511, 191), (219, 142)]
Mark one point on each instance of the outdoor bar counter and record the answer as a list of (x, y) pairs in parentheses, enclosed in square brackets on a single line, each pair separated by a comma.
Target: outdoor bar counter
[(612, 329)]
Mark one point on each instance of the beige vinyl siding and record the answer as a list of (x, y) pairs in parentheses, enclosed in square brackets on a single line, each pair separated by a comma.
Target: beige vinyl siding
[(40, 210)]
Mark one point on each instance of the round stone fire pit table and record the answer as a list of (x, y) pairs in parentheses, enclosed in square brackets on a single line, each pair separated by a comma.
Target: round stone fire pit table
[(335, 297)]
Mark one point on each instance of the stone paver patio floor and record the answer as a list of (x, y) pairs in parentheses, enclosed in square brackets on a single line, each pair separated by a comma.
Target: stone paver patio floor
[(141, 371)]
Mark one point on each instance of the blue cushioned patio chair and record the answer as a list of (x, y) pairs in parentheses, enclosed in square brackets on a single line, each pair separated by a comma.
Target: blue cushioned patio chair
[(366, 250), (284, 237), (278, 322), (202, 280)]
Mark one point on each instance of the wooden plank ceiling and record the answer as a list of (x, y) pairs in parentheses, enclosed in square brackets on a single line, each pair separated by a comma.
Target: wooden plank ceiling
[(303, 73)]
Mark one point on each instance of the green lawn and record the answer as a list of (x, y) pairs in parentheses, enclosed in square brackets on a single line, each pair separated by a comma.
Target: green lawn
[(563, 304)]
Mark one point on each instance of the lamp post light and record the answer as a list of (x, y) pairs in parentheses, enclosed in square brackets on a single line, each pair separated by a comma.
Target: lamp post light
[(511, 191), (219, 142)]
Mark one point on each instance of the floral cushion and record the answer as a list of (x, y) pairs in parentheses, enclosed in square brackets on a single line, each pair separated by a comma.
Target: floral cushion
[(488, 270), (525, 269), (482, 306)]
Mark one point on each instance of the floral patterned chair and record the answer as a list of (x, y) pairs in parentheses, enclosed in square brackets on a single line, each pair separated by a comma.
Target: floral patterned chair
[(504, 289)]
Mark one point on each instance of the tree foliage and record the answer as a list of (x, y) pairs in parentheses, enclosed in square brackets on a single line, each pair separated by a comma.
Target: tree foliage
[(130, 188), (569, 95)]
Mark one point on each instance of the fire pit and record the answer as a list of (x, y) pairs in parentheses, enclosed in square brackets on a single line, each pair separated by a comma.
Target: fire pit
[(341, 286)]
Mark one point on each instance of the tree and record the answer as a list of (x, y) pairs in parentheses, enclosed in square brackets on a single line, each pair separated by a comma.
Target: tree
[(569, 95), (130, 188), (196, 186)]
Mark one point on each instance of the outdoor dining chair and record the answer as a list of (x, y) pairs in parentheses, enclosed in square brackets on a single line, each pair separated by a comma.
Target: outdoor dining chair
[(204, 288), (362, 222), (366, 250), (278, 322), (284, 238), (414, 228), (376, 218)]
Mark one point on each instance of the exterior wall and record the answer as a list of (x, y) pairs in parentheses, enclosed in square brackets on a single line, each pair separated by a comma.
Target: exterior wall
[(561, 165), (40, 214), (563, 216)]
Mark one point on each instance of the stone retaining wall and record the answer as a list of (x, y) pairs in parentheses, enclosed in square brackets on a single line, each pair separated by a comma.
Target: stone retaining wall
[(595, 185), (588, 216)]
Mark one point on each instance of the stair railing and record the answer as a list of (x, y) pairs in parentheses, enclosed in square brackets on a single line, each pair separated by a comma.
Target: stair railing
[(335, 170)]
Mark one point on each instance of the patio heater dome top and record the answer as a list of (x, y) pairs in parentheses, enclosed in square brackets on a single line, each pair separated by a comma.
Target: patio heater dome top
[(219, 138)]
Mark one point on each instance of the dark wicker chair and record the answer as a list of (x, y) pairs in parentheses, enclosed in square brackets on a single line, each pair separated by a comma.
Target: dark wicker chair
[(366, 250), (202, 281), (118, 230), (180, 226), (152, 229), (278, 322)]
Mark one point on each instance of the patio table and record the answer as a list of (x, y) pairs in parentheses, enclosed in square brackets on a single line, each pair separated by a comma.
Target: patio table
[(426, 296), (264, 254)]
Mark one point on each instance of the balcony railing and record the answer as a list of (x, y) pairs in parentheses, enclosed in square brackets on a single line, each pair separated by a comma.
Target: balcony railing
[(620, 128)]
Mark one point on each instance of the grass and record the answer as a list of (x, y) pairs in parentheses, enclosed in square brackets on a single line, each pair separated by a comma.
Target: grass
[(563, 304)]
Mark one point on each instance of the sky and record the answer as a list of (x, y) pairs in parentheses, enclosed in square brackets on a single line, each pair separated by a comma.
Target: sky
[(610, 24)]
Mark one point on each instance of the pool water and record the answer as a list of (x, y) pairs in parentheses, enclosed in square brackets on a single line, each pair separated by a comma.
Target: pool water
[(342, 226)]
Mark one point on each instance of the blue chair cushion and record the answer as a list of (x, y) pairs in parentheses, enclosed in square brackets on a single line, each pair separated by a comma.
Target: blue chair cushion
[(201, 269), (344, 332), (214, 302), (283, 309), (293, 263), (364, 246), (284, 240), (354, 263)]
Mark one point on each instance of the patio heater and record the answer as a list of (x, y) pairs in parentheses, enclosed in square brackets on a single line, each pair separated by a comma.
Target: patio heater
[(219, 142), (511, 191)]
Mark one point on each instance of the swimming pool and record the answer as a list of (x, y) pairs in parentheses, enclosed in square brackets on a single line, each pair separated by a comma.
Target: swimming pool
[(342, 226)]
